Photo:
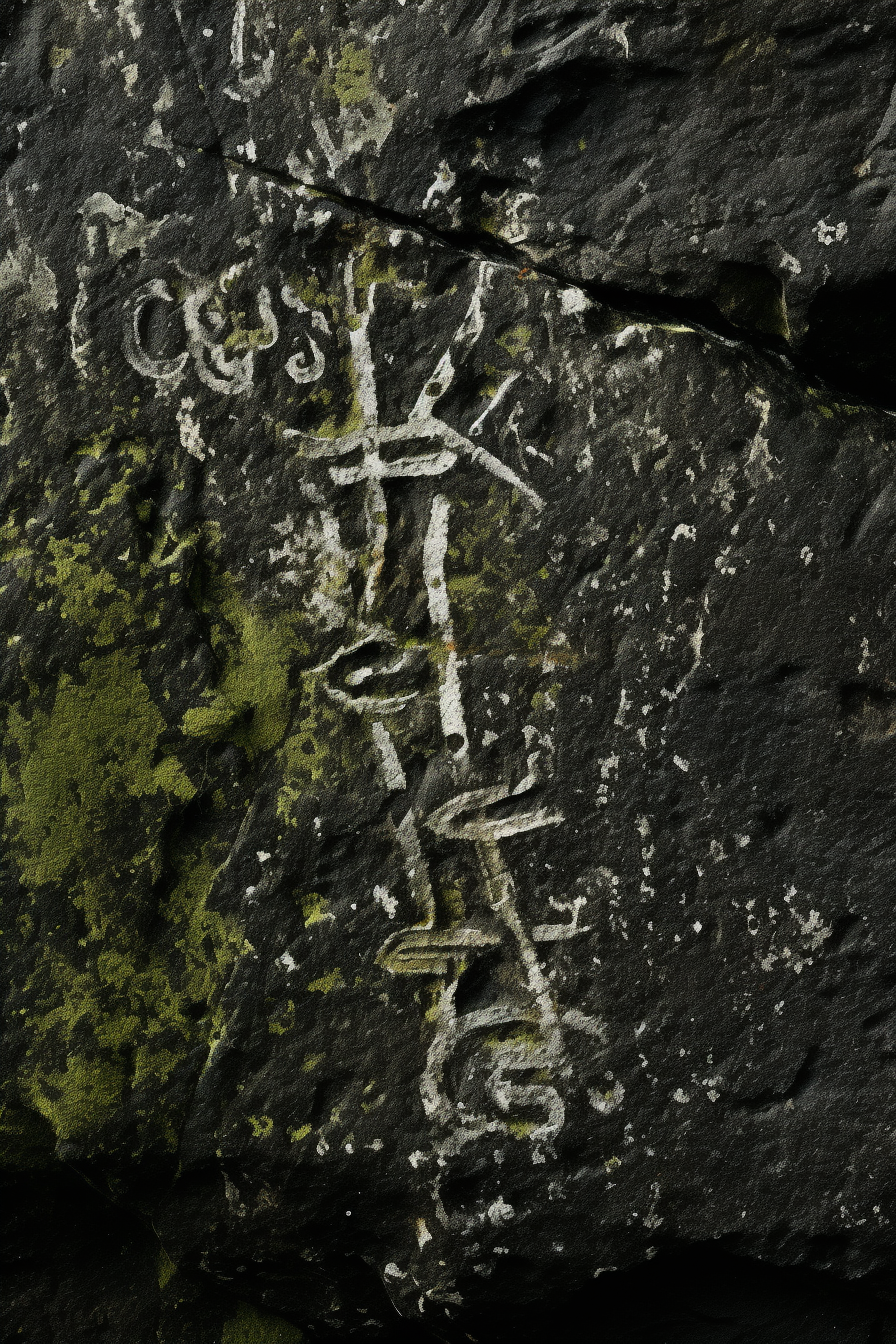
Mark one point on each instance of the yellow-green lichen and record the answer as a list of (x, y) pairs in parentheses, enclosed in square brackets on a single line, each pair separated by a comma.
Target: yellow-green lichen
[(326, 750), (375, 266), (87, 803), (325, 984), (242, 338), (279, 1026), (515, 340), (124, 955), (90, 755), (352, 76), (315, 909), (165, 1268), (520, 1129), (79, 1097), (253, 697), (251, 1326)]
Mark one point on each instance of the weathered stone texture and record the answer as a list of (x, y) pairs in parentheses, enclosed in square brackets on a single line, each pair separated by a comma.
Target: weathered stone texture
[(449, 672)]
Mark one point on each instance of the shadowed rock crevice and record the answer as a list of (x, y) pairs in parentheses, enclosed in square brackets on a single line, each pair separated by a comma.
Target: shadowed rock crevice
[(851, 338), (79, 1268), (846, 346)]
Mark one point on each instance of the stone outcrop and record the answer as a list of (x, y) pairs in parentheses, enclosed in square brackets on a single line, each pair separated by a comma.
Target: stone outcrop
[(448, 669)]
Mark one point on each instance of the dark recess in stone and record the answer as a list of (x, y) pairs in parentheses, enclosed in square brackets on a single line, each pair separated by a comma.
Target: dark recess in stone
[(850, 342), (78, 1269), (851, 338), (702, 1295)]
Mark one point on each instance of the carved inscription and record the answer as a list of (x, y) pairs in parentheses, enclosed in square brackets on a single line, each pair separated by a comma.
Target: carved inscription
[(494, 1065), (510, 1053)]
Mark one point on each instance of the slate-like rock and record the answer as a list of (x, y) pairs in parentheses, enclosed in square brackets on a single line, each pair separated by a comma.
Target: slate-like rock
[(448, 754), (743, 154)]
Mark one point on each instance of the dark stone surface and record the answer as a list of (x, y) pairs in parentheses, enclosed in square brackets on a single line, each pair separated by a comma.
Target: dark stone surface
[(736, 152), (448, 671)]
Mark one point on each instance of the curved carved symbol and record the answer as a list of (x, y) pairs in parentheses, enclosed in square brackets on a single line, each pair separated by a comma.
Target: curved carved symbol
[(233, 375), (539, 1050), (297, 366), (484, 817), (467, 817), (420, 951), (375, 673), (206, 343), (137, 357)]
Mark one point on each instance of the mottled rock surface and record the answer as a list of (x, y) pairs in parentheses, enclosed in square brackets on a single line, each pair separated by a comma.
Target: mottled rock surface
[(449, 672)]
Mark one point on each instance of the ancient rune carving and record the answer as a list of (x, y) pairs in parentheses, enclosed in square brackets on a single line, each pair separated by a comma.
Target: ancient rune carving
[(481, 817)]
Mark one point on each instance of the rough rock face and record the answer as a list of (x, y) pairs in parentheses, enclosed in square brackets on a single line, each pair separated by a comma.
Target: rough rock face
[(449, 674)]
